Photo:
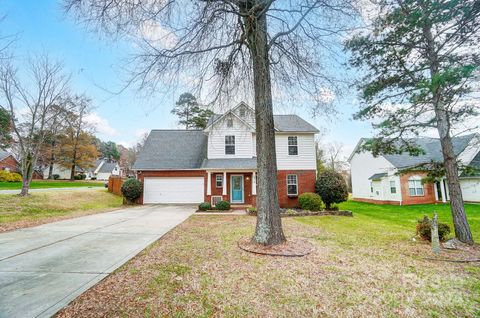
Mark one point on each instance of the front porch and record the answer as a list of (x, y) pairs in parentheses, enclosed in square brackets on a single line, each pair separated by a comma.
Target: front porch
[(236, 186)]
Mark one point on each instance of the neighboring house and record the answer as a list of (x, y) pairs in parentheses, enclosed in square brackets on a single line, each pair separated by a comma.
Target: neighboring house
[(376, 179), (8, 161), (103, 169), (219, 162), (62, 172)]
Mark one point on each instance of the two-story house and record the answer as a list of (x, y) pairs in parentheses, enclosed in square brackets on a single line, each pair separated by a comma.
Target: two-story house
[(219, 162), (381, 180)]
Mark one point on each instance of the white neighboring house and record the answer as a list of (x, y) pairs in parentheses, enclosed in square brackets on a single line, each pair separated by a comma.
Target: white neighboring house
[(219, 162), (376, 179), (103, 170), (62, 172)]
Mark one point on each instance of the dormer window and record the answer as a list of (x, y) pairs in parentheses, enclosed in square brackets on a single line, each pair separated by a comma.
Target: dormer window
[(242, 112), (229, 145), (292, 146), (230, 122)]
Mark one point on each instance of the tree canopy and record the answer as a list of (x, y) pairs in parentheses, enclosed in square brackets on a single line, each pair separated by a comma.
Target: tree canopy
[(190, 113)]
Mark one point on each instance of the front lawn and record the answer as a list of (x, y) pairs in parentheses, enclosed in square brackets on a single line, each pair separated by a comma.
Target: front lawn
[(43, 207), (44, 184), (365, 266)]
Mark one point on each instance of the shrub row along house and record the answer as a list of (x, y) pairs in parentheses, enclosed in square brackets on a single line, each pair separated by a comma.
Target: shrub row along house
[(219, 162), (378, 179)]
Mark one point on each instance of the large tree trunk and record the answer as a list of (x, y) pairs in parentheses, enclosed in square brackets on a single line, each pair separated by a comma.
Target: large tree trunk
[(52, 161), (460, 223), (27, 173), (268, 230)]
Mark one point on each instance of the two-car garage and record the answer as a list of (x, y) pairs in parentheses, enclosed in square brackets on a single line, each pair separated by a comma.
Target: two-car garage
[(173, 190)]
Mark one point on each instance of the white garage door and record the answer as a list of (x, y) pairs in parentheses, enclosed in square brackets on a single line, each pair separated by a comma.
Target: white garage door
[(173, 190)]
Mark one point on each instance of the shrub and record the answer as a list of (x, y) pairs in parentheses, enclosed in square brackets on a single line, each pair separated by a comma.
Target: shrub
[(204, 206), (132, 189), (223, 205), (82, 176), (310, 201), (425, 231), (252, 210), (7, 176), (332, 188), (56, 176), (77, 177), (93, 178)]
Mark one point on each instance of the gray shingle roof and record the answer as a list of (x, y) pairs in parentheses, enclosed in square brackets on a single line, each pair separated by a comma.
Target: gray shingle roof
[(107, 167), (377, 176), (4, 154), (433, 151), (172, 149), (283, 123), (233, 163)]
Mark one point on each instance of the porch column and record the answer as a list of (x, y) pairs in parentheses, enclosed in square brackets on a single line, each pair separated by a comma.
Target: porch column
[(224, 183), (442, 190), (209, 183), (254, 183), (435, 189)]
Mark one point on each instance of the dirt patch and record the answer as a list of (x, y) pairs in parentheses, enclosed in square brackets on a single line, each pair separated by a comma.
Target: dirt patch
[(294, 247)]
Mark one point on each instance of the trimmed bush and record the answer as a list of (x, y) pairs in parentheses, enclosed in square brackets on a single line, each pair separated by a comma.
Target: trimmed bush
[(425, 231), (204, 206), (7, 176), (223, 205), (332, 188), (93, 178), (56, 176), (132, 190), (310, 201)]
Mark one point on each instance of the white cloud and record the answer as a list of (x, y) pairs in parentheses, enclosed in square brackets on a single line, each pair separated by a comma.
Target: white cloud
[(100, 124), (157, 35)]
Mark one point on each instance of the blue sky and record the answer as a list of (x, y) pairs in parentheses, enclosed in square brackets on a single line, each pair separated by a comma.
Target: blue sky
[(95, 61)]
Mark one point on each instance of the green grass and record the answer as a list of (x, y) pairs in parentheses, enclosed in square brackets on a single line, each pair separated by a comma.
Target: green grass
[(402, 219), (40, 206), (44, 184)]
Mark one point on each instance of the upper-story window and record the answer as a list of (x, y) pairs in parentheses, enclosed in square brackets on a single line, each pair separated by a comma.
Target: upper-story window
[(230, 122), (229, 145), (242, 111), (292, 146), (415, 186)]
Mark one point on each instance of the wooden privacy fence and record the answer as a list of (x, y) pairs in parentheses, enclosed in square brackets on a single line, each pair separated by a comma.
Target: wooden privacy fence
[(115, 185)]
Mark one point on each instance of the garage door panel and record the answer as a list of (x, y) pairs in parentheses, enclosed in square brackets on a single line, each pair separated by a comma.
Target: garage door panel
[(173, 190)]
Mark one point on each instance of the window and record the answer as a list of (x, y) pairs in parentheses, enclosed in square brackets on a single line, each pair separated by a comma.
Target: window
[(371, 187), (229, 145), (292, 146), (415, 187), (229, 122), (242, 111), (219, 181), (393, 187), (292, 184)]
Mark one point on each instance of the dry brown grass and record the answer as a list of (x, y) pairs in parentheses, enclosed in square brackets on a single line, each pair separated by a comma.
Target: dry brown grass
[(197, 270), (44, 207)]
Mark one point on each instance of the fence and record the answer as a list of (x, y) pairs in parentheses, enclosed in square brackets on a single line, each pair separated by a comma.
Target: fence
[(115, 185)]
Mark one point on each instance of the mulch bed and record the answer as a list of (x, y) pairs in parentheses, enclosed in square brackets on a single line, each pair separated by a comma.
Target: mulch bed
[(293, 247), (214, 211), (299, 212)]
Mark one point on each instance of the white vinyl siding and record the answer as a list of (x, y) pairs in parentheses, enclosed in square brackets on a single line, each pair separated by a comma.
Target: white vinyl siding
[(243, 140), (173, 190), (305, 159)]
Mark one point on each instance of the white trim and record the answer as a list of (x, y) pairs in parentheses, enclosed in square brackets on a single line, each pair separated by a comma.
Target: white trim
[(209, 183), (224, 189), (254, 183), (231, 189)]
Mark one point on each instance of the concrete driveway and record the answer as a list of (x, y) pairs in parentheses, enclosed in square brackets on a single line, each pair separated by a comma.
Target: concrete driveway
[(43, 268)]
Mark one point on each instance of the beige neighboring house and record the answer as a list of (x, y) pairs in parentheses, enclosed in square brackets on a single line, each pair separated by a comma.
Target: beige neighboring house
[(62, 172), (103, 170)]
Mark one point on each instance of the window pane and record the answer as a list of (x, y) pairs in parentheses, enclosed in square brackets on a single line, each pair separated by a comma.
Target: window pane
[(419, 191), (292, 189), (230, 150), (292, 150), (411, 191)]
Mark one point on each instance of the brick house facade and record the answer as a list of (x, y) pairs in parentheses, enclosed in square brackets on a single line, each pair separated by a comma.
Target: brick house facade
[(8, 162)]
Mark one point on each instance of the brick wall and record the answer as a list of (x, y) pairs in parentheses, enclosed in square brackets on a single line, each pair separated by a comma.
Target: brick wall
[(247, 188), (428, 189), (306, 183), (9, 163)]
